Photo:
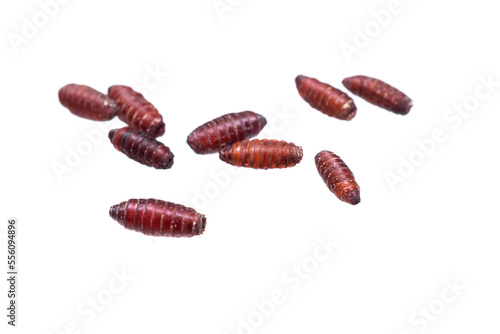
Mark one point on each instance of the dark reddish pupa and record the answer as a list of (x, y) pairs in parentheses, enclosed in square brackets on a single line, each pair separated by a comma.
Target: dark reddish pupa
[(86, 102), (226, 129), (379, 93), (327, 99), (261, 154), (338, 177), (136, 111), (142, 148), (158, 218)]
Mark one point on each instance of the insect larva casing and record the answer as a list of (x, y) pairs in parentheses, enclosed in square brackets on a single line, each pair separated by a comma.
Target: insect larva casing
[(325, 98), (142, 148), (136, 111), (158, 218), (379, 93), (226, 129), (261, 154), (86, 102), (338, 177)]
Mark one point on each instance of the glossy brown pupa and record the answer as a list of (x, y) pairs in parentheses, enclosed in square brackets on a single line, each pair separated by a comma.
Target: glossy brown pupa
[(261, 154), (379, 93), (136, 111), (142, 148), (325, 98), (158, 218), (338, 177), (225, 129), (86, 102)]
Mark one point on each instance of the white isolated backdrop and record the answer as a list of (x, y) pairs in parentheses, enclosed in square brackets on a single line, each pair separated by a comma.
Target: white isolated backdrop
[(396, 254)]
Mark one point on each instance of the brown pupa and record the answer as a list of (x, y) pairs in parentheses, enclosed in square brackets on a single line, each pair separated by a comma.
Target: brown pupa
[(86, 102), (142, 148), (379, 93), (136, 111), (158, 218), (261, 154), (226, 129), (327, 99), (338, 177)]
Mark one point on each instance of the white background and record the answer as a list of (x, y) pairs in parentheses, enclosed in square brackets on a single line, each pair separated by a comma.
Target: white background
[(397, 248)]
